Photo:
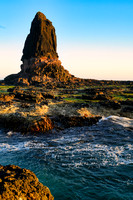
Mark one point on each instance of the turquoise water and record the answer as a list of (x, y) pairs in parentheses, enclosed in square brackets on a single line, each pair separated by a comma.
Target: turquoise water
[(85, 163)]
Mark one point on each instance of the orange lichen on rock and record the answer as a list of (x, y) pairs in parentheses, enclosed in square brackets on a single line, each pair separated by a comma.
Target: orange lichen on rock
[(21, 184)]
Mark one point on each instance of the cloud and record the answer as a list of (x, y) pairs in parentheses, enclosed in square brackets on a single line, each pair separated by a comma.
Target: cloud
[(2, 27)]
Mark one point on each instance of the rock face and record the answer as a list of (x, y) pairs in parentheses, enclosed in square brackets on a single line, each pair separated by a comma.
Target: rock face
[(77, 121), (16, 122), (21, 184), (40, 59), (42, 39)]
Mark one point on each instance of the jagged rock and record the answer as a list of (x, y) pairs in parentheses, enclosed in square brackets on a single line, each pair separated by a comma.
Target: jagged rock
[(31, 96), (43, 125), (42, 39), (77, 121), (17, 122), (21, 184), (40, 60)]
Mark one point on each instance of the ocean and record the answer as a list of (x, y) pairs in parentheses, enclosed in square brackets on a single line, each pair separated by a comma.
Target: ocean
[(82, 163)]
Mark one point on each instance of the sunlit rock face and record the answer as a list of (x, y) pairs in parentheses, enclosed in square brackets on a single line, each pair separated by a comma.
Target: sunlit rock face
[(40, 63), (41, 40), (21, 184)]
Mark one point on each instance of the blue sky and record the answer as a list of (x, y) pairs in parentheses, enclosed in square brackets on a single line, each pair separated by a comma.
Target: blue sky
[(94, 37)]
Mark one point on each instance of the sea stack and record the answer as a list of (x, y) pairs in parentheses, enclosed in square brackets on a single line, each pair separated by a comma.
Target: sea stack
[(40, 63), (42, 39)]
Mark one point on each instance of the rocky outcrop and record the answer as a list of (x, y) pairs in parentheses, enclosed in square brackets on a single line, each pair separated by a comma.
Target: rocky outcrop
[(42, 39), (25, 124), (40, 59), (21, 184), (77, 121), (41, 126)]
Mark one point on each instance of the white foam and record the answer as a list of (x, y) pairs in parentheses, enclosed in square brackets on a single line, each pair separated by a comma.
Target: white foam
[(107, 155), (123, 121), (10, 133), (34, 144)]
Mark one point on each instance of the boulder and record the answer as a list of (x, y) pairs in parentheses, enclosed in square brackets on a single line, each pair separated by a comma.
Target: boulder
[(21, 184), (40, 126)]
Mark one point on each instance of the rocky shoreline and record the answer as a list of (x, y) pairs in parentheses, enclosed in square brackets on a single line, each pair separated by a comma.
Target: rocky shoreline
[(38, 110), (48, 97), (30, 112)]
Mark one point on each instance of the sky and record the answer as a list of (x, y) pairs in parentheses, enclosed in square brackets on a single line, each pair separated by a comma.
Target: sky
[(94, 37)]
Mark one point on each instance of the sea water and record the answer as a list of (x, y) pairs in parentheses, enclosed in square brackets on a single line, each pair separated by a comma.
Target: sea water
[(87, 163)]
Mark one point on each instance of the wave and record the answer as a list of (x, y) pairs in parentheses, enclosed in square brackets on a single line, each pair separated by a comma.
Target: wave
[(123, 121), (78, 154), (107, 143)]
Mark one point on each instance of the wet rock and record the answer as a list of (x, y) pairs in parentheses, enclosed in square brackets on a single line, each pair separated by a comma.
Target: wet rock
[(13, 121), (127, 109), (5, 103), (25, 125), (21, 184), (77, 121), (40, 126)]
